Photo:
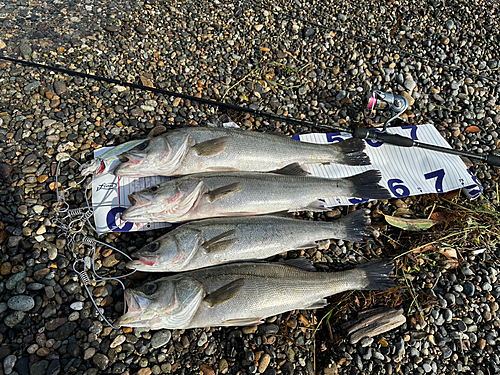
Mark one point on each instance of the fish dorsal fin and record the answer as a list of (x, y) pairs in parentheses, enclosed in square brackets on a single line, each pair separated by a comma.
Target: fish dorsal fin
[(157, 130), (294, 169), (211, 147), (224, 293), (300, 263), (218, 243), (223, 190)]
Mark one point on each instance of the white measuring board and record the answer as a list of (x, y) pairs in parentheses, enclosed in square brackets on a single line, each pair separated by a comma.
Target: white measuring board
[(110, 199), (405, 171)]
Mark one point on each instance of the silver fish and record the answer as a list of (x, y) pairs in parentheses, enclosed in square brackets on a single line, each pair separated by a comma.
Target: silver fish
[(211, 242), (197, 150), (208, 195), (243, 293)]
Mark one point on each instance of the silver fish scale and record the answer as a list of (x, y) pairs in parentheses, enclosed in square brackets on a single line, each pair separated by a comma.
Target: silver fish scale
[(247, 150), (269, 289), (256, 237), (263, 193)]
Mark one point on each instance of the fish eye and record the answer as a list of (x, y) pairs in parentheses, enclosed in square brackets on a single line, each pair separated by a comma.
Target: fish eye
[(154, 188), (143, 145), (151, 288), (154, 246)]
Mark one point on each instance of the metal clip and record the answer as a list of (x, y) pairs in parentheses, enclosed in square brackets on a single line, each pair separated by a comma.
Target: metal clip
[(72, 222)]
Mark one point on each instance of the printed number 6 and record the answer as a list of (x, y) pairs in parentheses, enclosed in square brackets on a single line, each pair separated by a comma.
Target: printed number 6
[(439, 175), (111, 220), (397, 188)]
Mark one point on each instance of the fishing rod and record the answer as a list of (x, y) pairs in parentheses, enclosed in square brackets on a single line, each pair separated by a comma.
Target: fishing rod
[(378, 100)]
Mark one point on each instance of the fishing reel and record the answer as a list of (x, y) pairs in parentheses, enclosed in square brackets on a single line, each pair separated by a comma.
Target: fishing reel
[(386, 101)]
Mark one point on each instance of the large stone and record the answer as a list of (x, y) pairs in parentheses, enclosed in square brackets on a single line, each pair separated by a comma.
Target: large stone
[(21, 303)]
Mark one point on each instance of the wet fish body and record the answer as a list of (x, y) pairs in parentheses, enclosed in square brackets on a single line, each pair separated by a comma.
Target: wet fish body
[(245, 193), (210, 242), (197, 150), (242, 294)]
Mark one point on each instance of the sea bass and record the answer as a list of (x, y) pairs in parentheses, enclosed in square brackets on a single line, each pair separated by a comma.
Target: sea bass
[(243, 293), (195, 150), (210, 242), (208, 195)]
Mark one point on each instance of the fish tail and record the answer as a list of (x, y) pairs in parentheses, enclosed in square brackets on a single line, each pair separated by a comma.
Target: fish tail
[(365, 185), (352, 152), (353, 227), (376, 274)]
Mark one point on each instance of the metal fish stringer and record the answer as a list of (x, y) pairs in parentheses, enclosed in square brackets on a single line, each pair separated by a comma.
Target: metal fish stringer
[(72, 223)]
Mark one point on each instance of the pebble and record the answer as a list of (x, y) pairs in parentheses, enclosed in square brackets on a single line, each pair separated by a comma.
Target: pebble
[(15, 318), (5, 171), (101, 361), (160, 338), (77, 306), (120, 339), (469, 289), (264, 362), (21, 303), (206, 49), (8, 364), (14, 280)]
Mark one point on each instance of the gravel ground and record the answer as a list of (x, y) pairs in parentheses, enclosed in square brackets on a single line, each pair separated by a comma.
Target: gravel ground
[(252, 56)]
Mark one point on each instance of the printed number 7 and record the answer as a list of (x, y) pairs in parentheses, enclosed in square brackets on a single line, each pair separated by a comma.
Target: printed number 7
[(439, 175), (413, 131)]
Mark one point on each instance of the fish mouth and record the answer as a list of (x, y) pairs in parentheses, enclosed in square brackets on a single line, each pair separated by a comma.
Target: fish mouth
[(140, 210), (100, 168), (135, 303), (137, 199), (94, 166), (142, 261), (130, 165), (133, 158)]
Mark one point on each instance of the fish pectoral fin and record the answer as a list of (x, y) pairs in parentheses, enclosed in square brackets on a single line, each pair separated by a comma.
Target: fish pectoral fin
[(219, 246), (316, 206), (317, 305), (218, 243), (157, 130), (243, 322), (300, 263), (224, 190), (211, 147), (294, 169), (224, 293)]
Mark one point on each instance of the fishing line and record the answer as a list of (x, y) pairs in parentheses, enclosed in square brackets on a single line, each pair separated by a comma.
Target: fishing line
[(72, 222), (362, 133), (209, 102)]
